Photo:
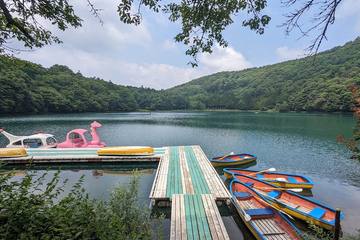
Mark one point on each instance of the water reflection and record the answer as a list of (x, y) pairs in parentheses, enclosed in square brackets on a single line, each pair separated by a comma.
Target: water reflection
[(293, 142)]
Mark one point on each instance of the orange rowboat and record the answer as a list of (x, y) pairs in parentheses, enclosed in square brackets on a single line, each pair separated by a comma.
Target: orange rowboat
[(233, 160), (298, 206), (263, 221), (284, 180)]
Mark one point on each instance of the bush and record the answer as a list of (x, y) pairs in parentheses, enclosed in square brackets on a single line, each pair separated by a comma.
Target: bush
[(33, 209)]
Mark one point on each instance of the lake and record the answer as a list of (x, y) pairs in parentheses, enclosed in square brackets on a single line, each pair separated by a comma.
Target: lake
[(291, 142)]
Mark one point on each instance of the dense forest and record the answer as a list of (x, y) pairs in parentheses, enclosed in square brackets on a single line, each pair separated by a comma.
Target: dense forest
[(308, 84)]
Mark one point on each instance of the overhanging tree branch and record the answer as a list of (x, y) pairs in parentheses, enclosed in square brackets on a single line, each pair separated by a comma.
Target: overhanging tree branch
[(13, 22)]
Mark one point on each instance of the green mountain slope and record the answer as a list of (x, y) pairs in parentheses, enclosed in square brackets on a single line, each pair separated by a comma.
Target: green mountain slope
[(29, 88), (320, 84), (308, 84)]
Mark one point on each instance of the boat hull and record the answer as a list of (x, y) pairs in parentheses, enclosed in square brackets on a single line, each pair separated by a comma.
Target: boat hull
[(298, 206), (231, 163), (304, 182), (254, 202), (301, 216), (233, 160)]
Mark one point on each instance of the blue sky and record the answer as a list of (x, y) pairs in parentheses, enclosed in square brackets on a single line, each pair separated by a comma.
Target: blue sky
[(147, 54)]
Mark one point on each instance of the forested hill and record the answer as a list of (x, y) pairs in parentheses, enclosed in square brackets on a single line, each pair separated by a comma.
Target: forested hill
[(29, 88), (320, 84)]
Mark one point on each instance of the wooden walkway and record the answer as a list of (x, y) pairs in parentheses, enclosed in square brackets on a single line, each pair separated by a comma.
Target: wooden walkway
[(186, 178), (82, 155), (186, 170), (196, 217)]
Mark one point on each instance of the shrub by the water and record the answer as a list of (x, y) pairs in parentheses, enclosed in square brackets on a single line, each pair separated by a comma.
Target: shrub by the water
[(33, 208)]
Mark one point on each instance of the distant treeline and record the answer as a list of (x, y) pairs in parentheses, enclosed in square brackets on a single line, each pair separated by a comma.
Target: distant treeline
[(309, 84)]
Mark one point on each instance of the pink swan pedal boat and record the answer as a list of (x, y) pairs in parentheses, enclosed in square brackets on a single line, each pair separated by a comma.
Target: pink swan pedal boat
[(76, 138)]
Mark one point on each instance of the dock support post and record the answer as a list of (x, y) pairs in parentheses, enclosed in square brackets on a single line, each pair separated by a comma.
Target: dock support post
[(337, 224)]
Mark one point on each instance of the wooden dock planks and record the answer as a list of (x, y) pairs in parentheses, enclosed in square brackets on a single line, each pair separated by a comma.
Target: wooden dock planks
[(187, 170), (217, 187), (186, 178), (79, 155), (196, 216)]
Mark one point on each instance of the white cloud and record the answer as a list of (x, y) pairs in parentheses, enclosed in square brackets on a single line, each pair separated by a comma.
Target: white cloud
[(286, 53), (121, 71), (127, 54), (350, 9), (169, 44), (224, 59)]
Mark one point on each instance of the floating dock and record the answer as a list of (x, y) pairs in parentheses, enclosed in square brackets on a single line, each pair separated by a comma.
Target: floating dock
[(186, 178), (78, 155)]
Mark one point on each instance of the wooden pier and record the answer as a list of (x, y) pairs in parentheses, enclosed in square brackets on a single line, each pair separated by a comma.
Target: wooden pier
[(71, 155), (186, 178), (186, 170)]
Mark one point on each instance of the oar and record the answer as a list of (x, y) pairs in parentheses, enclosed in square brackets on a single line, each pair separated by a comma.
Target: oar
[(231, 153), (281, 189), (266, 170), (276, 179)]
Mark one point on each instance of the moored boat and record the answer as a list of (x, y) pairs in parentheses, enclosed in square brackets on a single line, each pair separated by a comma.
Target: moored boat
[(293, 204), (76, 138), (37, 140), (262, 220), (284, 180), (233, 160)]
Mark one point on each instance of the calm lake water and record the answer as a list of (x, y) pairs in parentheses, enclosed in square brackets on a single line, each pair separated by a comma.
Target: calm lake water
[(293, 142)]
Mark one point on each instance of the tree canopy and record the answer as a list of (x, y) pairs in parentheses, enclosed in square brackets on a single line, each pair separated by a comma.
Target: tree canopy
[(202, 22), (298, 85)]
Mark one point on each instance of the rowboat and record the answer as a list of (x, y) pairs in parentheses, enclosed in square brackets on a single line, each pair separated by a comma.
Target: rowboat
[(263, 221), (293, 204), (284, 180), (233, 160)]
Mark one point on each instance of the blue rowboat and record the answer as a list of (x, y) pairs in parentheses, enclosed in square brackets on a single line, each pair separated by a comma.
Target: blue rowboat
[(284, 180), (298, 206), (233, 160), (262, 220)]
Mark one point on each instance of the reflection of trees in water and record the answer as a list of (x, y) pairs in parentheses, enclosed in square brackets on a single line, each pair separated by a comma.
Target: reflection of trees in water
[(354, 142)]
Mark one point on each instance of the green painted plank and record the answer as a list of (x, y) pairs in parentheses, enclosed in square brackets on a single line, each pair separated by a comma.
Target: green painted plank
[(173, 184), (197, 176), (201, 230), (203, 217), (189, 228), (194, 223), (169, 176), (195, 171)]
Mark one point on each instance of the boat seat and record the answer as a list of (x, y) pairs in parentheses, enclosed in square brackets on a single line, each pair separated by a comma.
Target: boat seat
[(274, 194), (242, 195), (332, 222), (317, 213), (292, 180), (260, 176), (257, 213), (249, 184)]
